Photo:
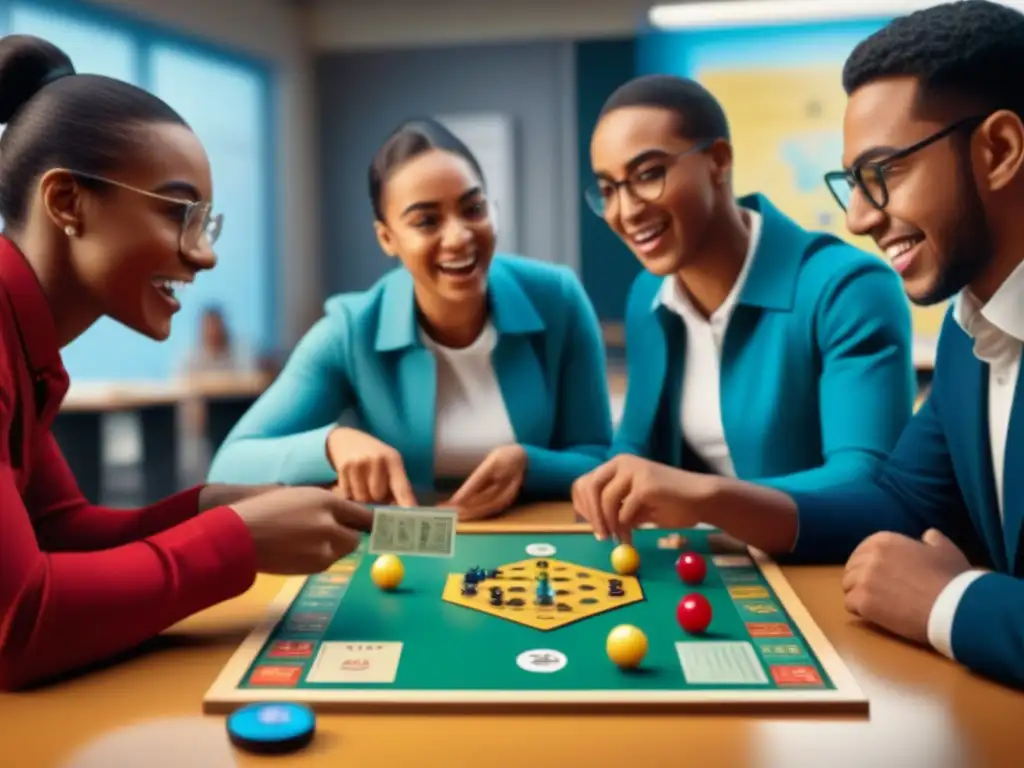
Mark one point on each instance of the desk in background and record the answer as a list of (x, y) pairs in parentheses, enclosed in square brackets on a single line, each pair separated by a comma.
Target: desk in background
[(78, 427)]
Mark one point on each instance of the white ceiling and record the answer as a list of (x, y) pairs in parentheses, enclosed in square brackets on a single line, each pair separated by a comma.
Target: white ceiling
[(349, 24)]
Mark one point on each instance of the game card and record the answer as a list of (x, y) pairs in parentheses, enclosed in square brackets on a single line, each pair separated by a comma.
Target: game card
[(424, 532), (725, 663), (355, 662)]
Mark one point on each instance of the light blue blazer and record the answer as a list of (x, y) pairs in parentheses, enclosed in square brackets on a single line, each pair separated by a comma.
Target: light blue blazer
[(817, 380), (365, 357)]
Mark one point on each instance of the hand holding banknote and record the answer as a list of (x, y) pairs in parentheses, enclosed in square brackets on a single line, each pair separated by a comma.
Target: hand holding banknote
[(301, 530)]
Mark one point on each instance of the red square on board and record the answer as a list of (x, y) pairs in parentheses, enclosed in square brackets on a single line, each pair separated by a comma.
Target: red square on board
[(291, 649), (267, 674), (792, 674)]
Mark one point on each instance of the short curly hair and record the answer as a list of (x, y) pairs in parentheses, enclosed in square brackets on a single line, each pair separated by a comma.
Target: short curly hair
[(969, 50)]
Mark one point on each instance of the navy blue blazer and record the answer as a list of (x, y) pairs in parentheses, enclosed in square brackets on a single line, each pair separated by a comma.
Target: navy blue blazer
[(940, 476)]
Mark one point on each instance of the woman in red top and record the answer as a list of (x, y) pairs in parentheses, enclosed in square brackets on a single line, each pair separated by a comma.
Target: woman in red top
[(105, 196)]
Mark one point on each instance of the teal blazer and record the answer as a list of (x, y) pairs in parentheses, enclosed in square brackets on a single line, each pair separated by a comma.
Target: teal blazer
[(940, 476), (364, 358), (817, 380)]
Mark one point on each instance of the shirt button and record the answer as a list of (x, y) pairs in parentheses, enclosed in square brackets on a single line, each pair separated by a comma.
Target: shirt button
[(1001, 381)]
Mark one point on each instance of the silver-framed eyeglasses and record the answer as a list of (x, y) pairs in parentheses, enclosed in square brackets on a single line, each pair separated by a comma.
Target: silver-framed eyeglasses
[(645, 182), (198, 220)]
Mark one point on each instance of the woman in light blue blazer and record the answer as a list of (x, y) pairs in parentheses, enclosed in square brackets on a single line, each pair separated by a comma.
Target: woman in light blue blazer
[(755, 348), (463, 371)]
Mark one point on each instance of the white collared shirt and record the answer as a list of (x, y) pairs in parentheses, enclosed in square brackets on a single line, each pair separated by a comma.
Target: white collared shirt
[(700, 413), (471, 419), (998, 332)]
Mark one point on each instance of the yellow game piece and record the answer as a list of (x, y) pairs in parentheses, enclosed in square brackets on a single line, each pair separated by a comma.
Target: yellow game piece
[(625, 559), (627, 646), (387, 572)]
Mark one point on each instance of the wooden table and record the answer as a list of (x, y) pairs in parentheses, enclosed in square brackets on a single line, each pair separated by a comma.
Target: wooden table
[(925, 711)]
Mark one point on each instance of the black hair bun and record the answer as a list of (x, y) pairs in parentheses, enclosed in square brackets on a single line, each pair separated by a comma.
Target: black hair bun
[(27, 64)]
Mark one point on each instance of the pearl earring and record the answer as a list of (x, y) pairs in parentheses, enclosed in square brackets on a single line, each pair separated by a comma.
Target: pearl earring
[(70, 231)]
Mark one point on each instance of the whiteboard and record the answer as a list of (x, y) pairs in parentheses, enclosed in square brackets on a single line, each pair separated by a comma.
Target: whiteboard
[(491, 138)]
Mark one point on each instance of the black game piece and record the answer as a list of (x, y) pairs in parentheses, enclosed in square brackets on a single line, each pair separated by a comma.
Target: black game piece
[(468, 588), (494, 573), (616, 592)]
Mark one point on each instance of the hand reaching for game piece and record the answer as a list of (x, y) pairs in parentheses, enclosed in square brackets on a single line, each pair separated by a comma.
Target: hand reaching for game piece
[(369, 470), (628, 491), (493, 486), (302, 530), (893, 581)]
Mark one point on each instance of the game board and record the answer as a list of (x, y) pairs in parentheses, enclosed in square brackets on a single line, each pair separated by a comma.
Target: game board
[(338, 641)]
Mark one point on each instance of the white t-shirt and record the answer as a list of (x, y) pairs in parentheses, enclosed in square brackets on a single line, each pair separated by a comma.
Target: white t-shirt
[(701, 411), (471, 418)]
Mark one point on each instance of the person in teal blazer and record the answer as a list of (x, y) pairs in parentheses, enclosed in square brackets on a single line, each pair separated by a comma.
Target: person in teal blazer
[(934, 539), (461, 371), (755, 348)]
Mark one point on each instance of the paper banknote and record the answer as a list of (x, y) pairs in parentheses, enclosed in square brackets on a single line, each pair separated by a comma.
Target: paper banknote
[(425, 531)]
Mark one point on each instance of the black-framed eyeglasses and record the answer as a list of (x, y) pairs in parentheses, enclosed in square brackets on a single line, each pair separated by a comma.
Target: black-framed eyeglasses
[(645, 183), (198, 220), (869, 176)]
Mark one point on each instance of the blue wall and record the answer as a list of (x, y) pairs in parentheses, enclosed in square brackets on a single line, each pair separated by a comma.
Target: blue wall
[(227, 97), (607, 266)]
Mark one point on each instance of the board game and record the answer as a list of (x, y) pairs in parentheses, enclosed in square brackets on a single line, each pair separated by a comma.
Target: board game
[(536, 617)]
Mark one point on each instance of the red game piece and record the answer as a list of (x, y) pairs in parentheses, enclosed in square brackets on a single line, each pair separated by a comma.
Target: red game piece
[(691, 567), (694, 613)]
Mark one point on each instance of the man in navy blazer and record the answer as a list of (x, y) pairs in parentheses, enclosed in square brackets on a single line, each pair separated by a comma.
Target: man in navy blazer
[(934, 173)]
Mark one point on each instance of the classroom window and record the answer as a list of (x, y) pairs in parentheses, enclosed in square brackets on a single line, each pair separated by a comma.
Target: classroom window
[(98, 49), (225, 102)]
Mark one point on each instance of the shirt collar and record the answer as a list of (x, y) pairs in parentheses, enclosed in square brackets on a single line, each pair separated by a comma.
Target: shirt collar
[(32, 312), (996, 326), (1004, 311), (673, 297), (513, 312)]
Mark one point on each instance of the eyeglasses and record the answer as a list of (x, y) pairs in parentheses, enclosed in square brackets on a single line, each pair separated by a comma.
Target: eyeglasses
[(869, 177), (198, 220), (646, 183)]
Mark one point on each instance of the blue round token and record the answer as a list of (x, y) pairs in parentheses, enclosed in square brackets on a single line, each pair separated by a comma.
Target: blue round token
[(272, 728)]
